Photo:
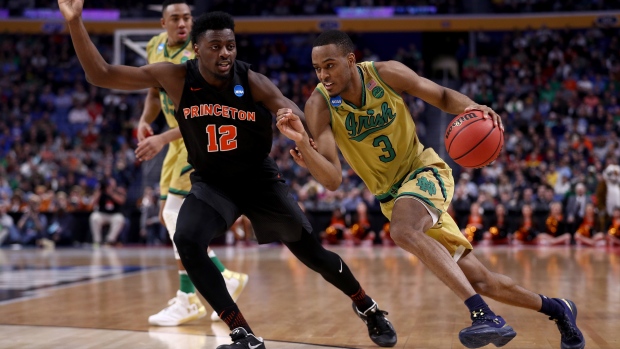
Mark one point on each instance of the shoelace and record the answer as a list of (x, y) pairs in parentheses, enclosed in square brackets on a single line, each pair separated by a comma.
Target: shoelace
[(480, 318), (567, 330), (377, 325)]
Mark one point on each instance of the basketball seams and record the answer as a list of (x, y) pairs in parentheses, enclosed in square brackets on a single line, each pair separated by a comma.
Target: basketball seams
[(477, 144), (495, 153), (459, 131)]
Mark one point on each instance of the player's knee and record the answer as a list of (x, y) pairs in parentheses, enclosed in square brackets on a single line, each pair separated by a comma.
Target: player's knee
[(170, 220), (401, 234)]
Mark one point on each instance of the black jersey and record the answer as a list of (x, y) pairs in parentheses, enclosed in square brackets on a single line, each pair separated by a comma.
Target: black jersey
[(227, 134)]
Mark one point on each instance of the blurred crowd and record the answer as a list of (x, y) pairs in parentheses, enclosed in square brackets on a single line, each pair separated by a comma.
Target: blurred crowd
[(64, 144), (270, 8)]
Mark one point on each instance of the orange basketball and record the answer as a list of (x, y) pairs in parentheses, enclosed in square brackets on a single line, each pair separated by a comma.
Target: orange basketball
[(472, 141)]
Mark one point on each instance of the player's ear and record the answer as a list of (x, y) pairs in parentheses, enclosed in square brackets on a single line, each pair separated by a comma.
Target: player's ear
[(351, 59), (196, 50), (162, 20)]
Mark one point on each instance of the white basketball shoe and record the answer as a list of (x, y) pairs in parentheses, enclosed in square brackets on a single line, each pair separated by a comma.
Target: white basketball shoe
[(183, 308)]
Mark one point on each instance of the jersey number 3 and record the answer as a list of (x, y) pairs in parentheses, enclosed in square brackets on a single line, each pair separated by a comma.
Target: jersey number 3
[(227, 138), (384, 142)]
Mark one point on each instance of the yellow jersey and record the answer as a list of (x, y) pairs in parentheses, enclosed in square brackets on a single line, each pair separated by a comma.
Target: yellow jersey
[(158, 51), (378, 139)]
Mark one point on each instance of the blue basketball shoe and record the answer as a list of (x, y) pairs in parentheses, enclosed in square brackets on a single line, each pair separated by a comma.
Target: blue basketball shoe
[(567, 324), (486, 329)]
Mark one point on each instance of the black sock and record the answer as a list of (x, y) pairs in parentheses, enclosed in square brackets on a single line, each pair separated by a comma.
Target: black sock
[(551, 307), (476, 303), (234, 319), (362, 301)]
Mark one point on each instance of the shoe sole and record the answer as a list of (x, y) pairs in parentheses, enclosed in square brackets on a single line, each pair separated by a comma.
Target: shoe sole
[(477, 338), (573, 308)]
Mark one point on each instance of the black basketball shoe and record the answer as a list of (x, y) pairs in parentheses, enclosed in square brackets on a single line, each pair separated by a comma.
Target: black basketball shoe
[(242, 340), (380, 329)]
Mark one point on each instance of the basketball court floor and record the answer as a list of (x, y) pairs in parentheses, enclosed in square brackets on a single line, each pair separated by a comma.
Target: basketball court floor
[(79, 298)]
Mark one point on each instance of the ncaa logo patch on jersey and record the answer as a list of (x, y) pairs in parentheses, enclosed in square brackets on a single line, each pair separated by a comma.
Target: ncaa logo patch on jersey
[(160, 47), (239, 91), (335, 101)]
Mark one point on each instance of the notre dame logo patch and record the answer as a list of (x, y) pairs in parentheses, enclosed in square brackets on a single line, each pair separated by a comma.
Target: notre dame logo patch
[(378, 92), (427, 186)]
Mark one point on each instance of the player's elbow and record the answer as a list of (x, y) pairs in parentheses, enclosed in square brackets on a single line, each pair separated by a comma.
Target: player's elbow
[(99, 77), (333, 184), (96, 80)]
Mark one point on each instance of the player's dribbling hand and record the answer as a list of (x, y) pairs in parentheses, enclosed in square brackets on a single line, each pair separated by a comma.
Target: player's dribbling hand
[(290, 125), (488, 113), (149, 147), (71, 9), (144, 131), (296, 154)]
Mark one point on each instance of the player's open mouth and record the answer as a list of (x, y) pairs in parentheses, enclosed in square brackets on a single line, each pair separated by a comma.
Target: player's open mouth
[(183, 34), (328, 85), (224, 66)]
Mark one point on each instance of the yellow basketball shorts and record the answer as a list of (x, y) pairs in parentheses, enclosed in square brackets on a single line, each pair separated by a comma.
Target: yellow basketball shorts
[(175, 171), (433, 185)]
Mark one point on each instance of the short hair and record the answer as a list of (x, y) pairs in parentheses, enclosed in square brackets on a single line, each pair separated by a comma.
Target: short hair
[(335, 37), (167, 3), (216, 20)]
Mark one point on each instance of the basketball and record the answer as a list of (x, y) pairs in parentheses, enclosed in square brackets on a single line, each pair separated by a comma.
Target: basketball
[(472, 141)]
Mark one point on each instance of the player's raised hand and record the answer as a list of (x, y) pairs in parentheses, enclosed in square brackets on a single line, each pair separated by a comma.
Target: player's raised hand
[(290, 125), (71, 9)]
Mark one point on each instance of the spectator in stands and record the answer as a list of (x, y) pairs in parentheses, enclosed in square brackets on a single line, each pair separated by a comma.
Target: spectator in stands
[(613, 230), (32, 224), (150, 227), (386, 239), (360, 232), (108, 199), (576, 207), (334, 233), (498, 231), (8, 231), (555, 231), (587, 232), (608, 194), (61, 227), (474, 226), (527, 228)]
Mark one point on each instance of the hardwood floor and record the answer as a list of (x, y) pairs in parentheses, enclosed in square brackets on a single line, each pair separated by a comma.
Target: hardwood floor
[(79, 298)]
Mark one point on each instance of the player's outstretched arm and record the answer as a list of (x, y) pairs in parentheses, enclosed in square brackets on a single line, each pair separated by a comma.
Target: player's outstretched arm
[(98, 71), (322, 162), (403, 79), (265, 92)]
